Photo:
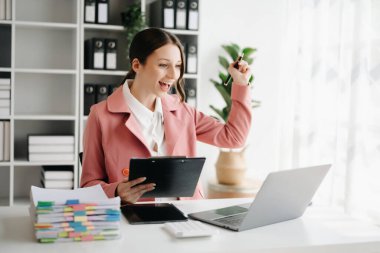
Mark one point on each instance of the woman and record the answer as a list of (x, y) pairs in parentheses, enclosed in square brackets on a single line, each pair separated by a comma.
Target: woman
[(140, 119)]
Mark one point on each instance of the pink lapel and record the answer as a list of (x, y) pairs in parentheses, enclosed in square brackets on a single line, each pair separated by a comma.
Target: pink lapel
[(116, 104)]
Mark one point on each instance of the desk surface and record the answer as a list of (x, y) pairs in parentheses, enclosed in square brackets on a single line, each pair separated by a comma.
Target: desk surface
[(319, 230)]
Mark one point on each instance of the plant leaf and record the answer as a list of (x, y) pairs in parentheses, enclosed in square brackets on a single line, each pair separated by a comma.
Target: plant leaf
[(236, 46), (249, 61), (223, 77), (215, 82), (255, 103), (248, 51), (226, 96), (219, 112), (232, 52), (223, 61)]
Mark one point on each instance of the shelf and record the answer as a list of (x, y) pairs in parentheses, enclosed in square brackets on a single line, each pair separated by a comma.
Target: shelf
[(5, 69), (27, 163), (45, 25), (46, 71), (44, 117), (182, 32), (190, 76), (118, 28), (2, 164), (104, 72), (5, 117), (5, 22)]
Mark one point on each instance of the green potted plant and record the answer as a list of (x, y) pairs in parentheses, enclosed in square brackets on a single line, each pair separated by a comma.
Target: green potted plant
[(231, 165), (233, 50), (133, 20)]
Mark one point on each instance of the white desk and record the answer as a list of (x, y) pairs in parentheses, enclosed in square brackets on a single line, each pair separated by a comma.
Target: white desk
[(319, 230)]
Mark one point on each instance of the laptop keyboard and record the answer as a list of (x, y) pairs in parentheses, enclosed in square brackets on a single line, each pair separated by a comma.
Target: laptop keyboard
[(234, 220)]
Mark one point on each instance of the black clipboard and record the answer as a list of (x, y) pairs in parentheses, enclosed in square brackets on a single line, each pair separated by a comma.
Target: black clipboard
[(152, 213), (173, 176)]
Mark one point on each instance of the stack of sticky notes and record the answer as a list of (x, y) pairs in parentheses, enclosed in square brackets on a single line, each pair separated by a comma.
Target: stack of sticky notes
[(84, 214)]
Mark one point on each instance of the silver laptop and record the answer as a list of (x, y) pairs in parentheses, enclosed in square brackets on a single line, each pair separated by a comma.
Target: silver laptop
[(283, 196)]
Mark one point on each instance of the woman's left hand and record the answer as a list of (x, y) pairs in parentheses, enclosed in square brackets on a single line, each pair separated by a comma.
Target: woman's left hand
[(242, 74)]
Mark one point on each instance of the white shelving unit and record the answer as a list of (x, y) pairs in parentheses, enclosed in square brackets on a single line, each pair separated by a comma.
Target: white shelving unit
[(44, 70), (46, 65)]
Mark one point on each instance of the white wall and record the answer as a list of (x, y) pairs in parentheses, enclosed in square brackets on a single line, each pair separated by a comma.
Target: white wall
[(253, 23)]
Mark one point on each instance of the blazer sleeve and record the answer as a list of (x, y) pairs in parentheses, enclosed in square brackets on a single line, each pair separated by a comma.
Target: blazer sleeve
[(93, 164), (234, 132)]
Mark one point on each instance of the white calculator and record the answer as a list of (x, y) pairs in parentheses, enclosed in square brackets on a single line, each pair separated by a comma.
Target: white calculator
[(189, 228)]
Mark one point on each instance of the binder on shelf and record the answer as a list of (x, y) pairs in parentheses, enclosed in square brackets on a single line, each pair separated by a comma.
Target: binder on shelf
[(94, 53), (191, 94), (89, 98), (112, 88), (101, 93), (162, 13), (181, 14), (191, 58), (110, 53), (89, 11), (102, 11), (192, 15)]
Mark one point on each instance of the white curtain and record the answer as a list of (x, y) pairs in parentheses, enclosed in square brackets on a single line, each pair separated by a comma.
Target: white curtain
[(330, 99)]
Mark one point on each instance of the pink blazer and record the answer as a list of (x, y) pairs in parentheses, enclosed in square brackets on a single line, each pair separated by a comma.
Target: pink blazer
[(112, 135)]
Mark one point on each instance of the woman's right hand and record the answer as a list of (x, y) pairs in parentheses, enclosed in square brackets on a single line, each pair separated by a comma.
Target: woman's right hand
[(131, 191)]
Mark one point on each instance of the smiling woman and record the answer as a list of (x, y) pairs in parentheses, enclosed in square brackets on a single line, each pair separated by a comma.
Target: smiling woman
[(140, 119)]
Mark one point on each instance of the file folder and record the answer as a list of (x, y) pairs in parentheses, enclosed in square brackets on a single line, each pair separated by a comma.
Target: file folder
[(110, 54), (191, 58), (89, 11), (94, 53), (101, 93), (102, 11), (181, 14), (162, 14), (192, 15), (89, 98)]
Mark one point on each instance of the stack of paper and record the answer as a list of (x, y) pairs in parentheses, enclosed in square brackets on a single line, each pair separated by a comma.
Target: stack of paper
[(84, 214), (48, 148), (57, 177)]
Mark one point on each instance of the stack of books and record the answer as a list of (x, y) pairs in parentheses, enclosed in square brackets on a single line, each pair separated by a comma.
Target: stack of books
[(57, 177), (5, 96), (49, 148), (84, 214)]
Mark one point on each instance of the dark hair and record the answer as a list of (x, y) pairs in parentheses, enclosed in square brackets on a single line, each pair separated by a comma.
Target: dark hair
[(145, 43)]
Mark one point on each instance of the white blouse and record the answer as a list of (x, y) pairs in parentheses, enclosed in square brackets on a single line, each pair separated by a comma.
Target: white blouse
[(151, 123)]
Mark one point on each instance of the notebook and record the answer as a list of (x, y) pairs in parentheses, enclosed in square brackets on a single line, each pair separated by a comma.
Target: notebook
[(283, 196)]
